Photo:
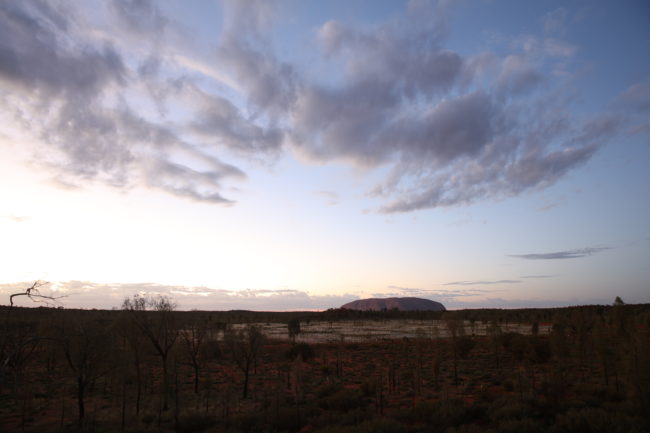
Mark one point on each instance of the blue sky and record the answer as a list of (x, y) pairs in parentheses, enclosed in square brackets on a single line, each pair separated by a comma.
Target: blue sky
[(274, 155)]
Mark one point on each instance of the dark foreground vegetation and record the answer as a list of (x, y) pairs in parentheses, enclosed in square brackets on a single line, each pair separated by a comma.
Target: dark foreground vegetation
[(148, 368)]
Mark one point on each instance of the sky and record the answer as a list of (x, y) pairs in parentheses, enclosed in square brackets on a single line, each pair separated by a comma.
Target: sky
[(297, 155)]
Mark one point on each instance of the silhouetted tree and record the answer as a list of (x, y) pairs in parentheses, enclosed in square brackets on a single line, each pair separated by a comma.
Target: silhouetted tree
[(494, 331), (134, 339), (193, 336), (86, 346), (454, 325), (245, 346), (294, 328), (154, 317)]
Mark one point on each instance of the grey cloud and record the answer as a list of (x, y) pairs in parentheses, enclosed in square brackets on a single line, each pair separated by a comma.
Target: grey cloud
[(187, 182), (454, 130), (412, 291), (344, 124), (599, 127), (332, 198), (33, 53), (545, 47), (220, 122), (270, 85), (560, 255), (480, 283), (140, 16), (494, 174), (641, 128), (549, 206), (536, 277), (407, 58), (517, 75), (555, 21), (496, 302), (633, 104), (72, 96), (447, 296), (540, 170), (484, 298), (636, 97), (558, 48), (451, 130)]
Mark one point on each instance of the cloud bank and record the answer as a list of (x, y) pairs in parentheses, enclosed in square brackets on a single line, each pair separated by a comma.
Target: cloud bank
[(84, 294)]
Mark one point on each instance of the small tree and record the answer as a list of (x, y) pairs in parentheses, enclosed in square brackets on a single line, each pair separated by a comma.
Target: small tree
[(245, 347), (294, 328), (193, 336), (454, 326), (494, 331), (86, 348)]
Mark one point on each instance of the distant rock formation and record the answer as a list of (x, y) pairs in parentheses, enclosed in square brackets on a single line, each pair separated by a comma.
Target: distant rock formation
[(401, 304)]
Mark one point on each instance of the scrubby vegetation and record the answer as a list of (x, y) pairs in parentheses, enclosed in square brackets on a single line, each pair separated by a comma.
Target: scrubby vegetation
[(147, 367)]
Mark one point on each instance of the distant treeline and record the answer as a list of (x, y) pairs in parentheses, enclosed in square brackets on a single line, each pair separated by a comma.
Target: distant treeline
[(641, 313)]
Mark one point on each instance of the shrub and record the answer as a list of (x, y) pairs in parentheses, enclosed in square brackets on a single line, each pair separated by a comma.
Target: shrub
[(465, 345), (301, 349), (195, 422), (590, 420), (343, 400)]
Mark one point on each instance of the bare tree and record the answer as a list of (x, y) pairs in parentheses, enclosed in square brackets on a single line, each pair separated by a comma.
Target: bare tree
[(85, 346), (193, 336), (154, 317), (294, 328), (34, 294), (454, 326), (245, 347), (18, 340), (134, 340)]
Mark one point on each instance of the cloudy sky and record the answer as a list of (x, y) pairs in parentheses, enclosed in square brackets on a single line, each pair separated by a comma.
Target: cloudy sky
[(274, 155)]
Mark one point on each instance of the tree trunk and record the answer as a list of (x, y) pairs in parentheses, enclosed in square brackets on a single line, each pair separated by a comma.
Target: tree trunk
[(123, 404), (80, 400), (246, 374), (196, 378), (165, 384), (138, 375)]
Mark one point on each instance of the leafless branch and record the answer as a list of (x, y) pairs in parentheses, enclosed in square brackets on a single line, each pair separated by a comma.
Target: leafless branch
[(35, 295)]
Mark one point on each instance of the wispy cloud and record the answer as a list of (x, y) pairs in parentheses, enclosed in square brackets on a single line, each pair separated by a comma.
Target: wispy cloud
[(481, 283), (16, 218), (549, 206), (332, 198), (450, 128), (560, 255), (446, 296), (78, 92)]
